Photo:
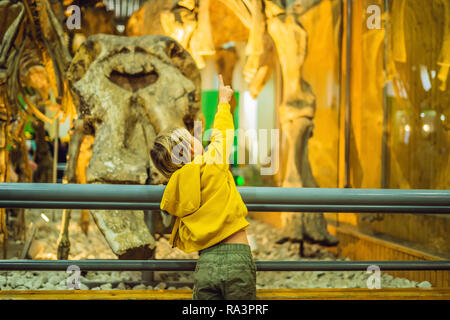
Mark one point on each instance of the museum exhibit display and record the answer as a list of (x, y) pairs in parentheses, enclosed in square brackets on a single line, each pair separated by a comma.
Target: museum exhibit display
[(339, 147)]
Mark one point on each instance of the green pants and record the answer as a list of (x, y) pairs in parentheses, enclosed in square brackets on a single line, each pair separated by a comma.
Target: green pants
[(225, 272)]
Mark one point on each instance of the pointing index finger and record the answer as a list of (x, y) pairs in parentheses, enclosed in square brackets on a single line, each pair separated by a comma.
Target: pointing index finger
[(221, 84)]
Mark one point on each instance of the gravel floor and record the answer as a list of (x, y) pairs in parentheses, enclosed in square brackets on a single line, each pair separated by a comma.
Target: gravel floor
[(263, 240)]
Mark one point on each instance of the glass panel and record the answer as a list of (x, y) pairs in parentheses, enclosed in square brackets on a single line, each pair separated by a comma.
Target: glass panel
[(399, 109), (417, 94)]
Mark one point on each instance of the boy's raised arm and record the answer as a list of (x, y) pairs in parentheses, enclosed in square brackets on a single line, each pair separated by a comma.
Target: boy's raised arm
[(221, 143)]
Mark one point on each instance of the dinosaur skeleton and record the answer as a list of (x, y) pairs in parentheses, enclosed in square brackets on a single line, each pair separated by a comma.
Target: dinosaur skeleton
[(33, 54)]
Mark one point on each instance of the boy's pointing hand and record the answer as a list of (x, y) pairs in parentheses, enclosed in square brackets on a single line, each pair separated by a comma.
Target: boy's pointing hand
[(225, 92)]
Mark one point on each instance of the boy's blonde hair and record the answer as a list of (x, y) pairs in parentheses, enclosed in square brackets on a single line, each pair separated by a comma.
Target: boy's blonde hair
[(171, 150)]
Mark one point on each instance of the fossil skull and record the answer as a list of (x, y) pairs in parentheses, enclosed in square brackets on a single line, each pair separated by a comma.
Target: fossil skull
[(127, 90)]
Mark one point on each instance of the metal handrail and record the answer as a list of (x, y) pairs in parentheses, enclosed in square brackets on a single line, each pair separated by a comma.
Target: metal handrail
[(189, 265), (141, 197), (250, 207), (148, 197)]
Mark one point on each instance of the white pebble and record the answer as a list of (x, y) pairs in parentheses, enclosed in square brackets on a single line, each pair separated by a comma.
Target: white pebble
[(106, 286), (424, 284), (140, 287), (83, 286), (121, 286), (160, 286), (53, 280)]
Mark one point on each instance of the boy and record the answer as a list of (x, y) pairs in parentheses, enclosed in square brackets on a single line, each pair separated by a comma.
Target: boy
[(209, 209)]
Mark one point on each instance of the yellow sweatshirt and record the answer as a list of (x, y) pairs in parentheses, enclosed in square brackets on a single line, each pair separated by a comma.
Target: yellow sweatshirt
[(203, 195)]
